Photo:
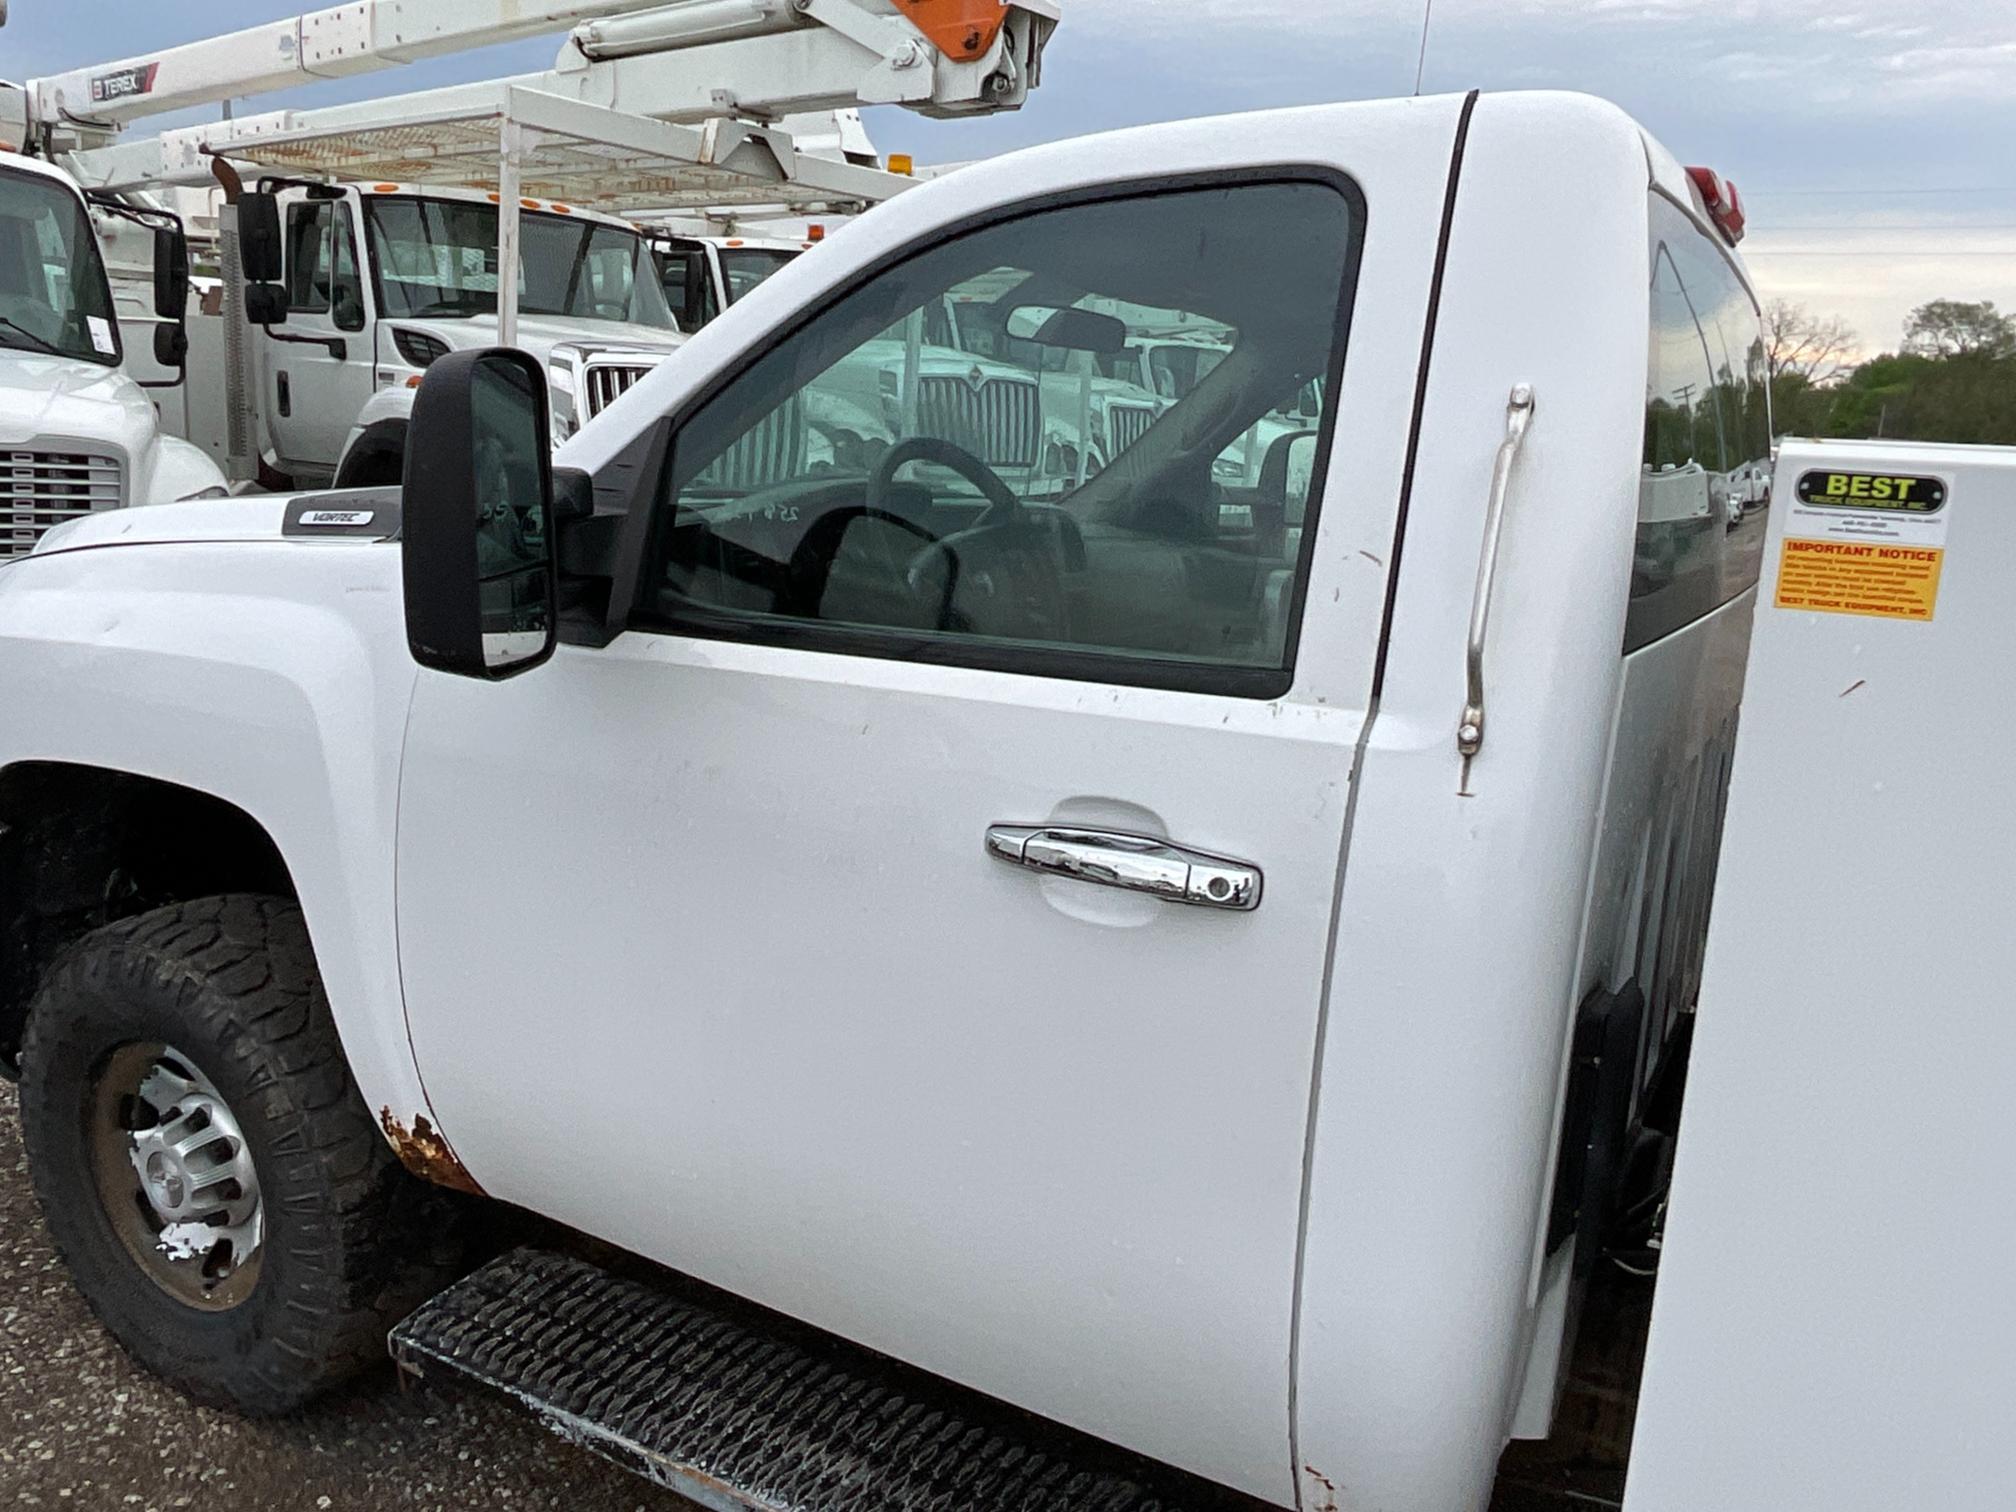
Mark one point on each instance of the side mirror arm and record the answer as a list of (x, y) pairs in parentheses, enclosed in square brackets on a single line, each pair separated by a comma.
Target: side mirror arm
[(336, 346)]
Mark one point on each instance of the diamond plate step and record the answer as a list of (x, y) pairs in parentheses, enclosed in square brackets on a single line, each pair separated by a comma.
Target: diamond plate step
[(743, 1411)]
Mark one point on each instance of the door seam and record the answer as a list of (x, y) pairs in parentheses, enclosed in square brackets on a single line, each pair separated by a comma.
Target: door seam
[(1296, 1464)]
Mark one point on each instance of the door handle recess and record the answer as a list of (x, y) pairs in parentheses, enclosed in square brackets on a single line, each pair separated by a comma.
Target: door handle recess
[(1135, 862)]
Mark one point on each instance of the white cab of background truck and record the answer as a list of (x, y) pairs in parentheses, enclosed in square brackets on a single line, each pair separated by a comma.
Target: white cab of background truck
[(77, 434), (381, 279), (1197, 973)]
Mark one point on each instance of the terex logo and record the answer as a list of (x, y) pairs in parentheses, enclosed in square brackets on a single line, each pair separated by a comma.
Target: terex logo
[(124, 83)]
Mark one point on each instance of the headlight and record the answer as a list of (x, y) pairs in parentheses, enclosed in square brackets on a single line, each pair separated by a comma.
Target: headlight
[(214, 491), (560, 390)]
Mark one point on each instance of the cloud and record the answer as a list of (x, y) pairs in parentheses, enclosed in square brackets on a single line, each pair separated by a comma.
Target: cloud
[(1823, 54)]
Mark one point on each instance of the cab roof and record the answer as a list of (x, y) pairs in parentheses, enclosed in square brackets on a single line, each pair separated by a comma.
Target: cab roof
[(20, 163)]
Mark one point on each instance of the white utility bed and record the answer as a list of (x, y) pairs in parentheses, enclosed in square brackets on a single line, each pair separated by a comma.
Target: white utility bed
[(1835, 1329)]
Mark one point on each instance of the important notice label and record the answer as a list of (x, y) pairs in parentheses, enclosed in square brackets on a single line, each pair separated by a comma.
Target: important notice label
[(1860, 577)]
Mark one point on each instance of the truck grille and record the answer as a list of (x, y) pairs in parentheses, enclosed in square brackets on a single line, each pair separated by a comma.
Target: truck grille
[(999, 421), (771, 452), (39, 489), (608, 381), (1128, 423)]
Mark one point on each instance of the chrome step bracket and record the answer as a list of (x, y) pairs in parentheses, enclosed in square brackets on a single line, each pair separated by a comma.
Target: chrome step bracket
[(744, 1411)]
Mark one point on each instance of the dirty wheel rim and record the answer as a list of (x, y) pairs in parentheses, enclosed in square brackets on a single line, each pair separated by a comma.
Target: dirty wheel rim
[(175, 1174)]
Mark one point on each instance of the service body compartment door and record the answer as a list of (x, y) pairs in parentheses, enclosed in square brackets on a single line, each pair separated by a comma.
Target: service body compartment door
[(705, 947)]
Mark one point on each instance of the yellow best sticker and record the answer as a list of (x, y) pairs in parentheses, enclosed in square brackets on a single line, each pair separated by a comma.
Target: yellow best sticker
[(1860, 577)]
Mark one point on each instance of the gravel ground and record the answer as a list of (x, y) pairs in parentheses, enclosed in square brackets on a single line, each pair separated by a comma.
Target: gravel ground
[(82, 1427)]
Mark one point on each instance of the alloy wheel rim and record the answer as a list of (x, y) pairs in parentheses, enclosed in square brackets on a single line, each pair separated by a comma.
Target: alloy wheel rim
[(176, 1177)]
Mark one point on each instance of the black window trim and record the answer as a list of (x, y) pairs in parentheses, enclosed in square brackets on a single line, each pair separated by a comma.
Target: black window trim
[(652, 511)]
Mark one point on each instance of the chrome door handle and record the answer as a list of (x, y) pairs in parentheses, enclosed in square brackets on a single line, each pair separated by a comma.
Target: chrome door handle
[(1138, 863)]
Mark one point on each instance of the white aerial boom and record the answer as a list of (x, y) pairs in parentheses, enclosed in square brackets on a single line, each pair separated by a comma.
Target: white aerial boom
[(661, 105), (938, 56), (734, 63)]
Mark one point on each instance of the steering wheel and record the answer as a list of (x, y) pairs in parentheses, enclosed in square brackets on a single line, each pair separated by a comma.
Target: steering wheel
[(1002, 504)]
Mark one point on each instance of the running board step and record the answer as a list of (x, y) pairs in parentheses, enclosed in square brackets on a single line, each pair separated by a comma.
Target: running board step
[(743, 1411)]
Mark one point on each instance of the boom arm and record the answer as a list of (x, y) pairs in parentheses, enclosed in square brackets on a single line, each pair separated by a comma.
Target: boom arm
[(939, 56), (325, 44)]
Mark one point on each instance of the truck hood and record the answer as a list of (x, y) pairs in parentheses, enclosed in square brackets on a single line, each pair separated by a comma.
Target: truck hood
[(64, 398), (253, 517), (539, 334)]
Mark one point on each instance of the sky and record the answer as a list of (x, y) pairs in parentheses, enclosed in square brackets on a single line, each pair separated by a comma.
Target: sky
[(1875, 145)]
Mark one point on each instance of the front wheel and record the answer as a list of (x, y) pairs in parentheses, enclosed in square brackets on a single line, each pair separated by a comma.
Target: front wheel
[(205, 1163)]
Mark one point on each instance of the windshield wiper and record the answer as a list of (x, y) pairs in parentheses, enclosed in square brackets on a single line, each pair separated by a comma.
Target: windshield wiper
[(41, 341)]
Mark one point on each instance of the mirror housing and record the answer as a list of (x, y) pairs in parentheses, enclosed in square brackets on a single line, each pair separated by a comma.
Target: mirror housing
[(171, 273), (1073, 329), (266, 304), (1288, 473), (171, 346), (259, 253), (479, 530)]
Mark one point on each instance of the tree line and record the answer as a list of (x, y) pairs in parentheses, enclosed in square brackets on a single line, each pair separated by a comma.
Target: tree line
[(1953, 379)]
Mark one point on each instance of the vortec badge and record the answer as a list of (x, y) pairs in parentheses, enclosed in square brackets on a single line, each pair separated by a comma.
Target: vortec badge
[(1900, 493), (336, 517), (124, 83)]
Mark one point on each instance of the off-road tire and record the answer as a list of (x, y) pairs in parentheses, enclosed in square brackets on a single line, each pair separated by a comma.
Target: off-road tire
[(352, 1242)]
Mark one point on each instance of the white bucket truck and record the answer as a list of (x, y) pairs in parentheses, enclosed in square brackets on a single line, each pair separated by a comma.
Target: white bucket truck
[(374, 281), (1193, 976), (367, 239), (77, 434)]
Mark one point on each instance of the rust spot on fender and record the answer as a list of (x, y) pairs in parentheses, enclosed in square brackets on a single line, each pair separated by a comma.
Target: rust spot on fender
[(424, 1152), (1329, 1491)]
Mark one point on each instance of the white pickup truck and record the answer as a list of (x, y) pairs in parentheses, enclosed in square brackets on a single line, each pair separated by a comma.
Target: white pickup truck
[(77, 434), (1198, 979)]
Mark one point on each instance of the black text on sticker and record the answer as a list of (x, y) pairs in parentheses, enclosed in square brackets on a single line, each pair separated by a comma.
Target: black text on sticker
[(1899, 493)]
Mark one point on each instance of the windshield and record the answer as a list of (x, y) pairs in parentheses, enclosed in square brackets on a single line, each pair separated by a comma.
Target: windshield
[(746, 267), (438, 258), (53, 295)]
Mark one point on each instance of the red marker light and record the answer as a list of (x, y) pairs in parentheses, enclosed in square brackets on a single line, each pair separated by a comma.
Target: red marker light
[(1725, 205), (815, 233)]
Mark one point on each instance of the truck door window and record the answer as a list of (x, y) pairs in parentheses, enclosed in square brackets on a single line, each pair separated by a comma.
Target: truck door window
[(745, 267), (437, 259), (688, 289), (955, 461), (1706, 476), (322, 273)]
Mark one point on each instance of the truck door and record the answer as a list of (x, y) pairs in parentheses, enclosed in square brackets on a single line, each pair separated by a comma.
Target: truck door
[(916, 918), (318, 364), (690, 282)]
